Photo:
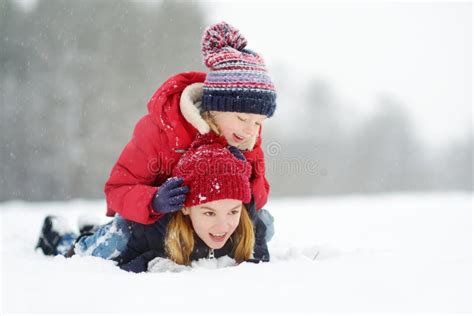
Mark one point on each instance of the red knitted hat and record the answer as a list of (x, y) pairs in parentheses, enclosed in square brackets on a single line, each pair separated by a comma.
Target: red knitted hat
[(212, 172)]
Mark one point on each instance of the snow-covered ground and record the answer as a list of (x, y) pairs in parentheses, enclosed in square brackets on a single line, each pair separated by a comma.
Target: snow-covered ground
[(390, 253)]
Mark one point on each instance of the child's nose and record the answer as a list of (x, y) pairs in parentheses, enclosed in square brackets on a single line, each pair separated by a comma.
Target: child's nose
[(221, 225)]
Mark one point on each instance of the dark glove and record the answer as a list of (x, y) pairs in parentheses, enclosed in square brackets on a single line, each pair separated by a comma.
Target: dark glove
[(170, 196), (236, 152), (260, 250)]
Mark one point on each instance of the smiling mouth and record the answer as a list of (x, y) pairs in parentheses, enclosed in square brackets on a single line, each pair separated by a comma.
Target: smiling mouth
[(218, 237), (238, 138)]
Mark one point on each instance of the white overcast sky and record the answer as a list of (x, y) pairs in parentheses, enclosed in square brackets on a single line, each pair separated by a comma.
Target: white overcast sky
[(421, 53)]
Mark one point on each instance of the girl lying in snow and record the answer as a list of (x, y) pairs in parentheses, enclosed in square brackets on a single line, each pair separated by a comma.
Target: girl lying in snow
[(213, 222)]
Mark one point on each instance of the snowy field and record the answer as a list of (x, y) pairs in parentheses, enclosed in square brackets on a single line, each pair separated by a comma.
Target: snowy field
[(392, 253)]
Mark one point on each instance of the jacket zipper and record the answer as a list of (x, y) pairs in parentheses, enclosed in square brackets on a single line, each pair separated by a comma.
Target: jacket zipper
[(211, 254)]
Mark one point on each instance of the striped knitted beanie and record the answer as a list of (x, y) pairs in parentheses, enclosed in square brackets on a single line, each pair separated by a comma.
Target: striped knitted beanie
[(238, 80)]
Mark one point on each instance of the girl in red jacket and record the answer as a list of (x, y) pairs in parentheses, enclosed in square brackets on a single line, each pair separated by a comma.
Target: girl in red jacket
[(232, 99)]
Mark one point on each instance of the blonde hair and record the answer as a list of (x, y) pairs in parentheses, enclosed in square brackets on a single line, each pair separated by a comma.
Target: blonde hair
[(179, 238), (209, 118)]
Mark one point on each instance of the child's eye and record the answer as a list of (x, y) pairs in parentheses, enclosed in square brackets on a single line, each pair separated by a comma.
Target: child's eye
[(234, 212), (258, 123), (241, 119), (209, 213)]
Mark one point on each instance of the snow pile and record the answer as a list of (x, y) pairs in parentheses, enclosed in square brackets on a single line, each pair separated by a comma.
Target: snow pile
[(390, 253)]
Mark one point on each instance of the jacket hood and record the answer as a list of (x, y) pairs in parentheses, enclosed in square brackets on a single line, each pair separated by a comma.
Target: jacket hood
[(164, 109)]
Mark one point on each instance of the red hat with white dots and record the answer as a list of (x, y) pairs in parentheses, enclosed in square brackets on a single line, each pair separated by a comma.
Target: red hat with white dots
[(212, 172)]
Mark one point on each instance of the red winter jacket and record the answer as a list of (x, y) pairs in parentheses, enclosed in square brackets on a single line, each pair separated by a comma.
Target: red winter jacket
[(158, 141)]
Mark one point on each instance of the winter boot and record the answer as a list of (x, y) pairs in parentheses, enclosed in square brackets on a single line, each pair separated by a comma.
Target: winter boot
[(49, 238), (56, 236)]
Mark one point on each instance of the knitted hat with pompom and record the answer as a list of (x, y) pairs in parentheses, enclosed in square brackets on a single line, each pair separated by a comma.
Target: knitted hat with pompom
[(238, 80), (212, 172)]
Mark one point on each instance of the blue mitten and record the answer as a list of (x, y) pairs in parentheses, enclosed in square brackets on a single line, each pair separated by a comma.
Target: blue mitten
[(170, 196)]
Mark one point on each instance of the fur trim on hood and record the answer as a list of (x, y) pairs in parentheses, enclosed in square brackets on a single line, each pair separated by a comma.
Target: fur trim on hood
[(190, 105)]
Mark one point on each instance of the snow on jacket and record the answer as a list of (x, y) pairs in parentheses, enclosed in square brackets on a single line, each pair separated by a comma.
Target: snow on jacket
[(158, 141)]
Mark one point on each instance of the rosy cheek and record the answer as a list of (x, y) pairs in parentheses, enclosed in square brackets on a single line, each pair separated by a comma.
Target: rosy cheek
[(236, 223)]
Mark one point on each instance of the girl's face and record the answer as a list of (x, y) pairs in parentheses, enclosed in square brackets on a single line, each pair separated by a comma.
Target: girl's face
[(216, 221), (238, 128)]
